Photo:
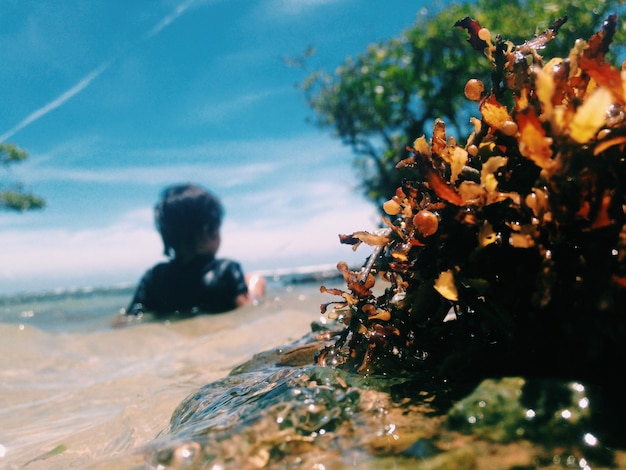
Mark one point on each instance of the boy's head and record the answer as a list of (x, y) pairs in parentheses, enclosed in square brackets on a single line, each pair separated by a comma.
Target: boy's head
[(184, 214)]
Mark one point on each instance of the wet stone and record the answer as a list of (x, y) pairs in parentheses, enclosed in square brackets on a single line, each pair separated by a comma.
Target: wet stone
[(264, 415)]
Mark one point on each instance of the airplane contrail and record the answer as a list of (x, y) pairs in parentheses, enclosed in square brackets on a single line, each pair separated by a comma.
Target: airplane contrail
[(81, 85), (91, 76), (167, 20)]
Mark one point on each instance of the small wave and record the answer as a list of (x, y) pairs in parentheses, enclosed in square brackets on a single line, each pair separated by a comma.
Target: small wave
[(63, 293), (280, 276), (303, 274)]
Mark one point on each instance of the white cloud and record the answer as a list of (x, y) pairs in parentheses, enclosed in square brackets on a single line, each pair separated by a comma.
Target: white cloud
[(295, 7), (155, 175), (218, 112), (311, 239), (51, 258), (229, 163)]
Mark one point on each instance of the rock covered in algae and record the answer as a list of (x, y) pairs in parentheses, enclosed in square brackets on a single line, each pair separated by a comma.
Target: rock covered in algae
[(268, 415)]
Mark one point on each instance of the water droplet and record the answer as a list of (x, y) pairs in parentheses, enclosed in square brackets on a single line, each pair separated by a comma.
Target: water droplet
[(590, 439)]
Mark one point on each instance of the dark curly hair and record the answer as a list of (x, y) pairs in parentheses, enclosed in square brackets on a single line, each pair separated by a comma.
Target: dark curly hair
[(184, 212)]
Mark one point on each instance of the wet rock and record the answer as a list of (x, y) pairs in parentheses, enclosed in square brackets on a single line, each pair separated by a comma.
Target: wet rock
[(264, 415)]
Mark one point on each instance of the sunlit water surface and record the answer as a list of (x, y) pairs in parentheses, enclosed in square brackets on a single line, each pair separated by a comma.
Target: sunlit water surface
[(210, 392), (74, 391)]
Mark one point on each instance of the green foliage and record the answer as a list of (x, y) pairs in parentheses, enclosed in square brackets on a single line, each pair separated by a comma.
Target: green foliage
[(15, 198), (386, 97), (9, 153)]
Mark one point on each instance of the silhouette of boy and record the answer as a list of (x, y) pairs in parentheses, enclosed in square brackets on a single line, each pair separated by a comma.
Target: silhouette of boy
[(193, 281)]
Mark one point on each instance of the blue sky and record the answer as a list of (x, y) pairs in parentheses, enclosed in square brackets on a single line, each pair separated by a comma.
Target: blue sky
[(115, 99)]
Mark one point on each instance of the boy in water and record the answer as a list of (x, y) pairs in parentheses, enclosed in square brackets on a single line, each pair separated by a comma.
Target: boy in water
[(193, 281)]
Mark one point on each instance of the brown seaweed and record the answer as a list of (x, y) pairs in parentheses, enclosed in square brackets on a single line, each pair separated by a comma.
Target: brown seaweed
[(508, 256)]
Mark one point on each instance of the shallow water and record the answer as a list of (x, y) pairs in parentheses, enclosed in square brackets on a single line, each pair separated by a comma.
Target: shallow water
[(75, 392), (223, 392)]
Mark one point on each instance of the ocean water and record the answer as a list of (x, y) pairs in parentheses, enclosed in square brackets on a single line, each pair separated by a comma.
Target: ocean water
[(214, 392), (75, 391)]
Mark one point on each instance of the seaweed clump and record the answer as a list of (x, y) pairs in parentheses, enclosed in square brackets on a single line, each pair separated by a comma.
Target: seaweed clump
[(506, 255)]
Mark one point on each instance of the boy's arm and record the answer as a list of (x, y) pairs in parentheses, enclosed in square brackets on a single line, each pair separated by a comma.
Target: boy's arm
[(135, 308), (140, 300), (256, 290)]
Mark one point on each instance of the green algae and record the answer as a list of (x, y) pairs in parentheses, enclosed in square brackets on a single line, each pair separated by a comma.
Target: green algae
[(492, 411)]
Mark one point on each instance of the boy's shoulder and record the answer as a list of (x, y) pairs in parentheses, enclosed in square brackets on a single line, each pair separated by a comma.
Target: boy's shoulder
[(162, 267), (222, 265), (212, 264), (222, 270), (223, 261)]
